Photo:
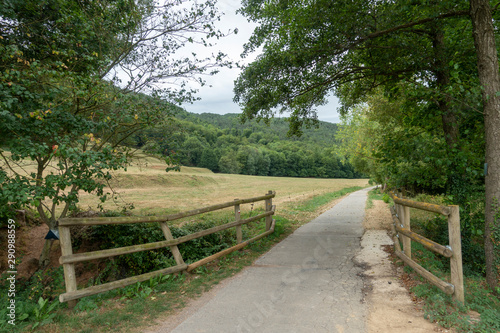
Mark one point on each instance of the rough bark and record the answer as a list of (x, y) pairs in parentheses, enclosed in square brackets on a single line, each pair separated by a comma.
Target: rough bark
[(487, 63), (44, 260), (441, 70)]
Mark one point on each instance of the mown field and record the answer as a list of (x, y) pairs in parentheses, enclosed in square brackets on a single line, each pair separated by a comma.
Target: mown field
[(151, 190)]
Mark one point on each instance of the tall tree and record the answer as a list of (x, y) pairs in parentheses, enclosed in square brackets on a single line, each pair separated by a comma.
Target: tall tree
[(351, 47), (70, 74), (487, 63)]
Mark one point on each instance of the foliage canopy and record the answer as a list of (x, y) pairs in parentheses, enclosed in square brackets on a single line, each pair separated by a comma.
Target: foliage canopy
[(70, 83), (436, 60)]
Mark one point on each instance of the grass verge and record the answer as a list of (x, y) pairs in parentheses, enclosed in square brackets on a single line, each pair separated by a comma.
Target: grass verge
[(320, 200), (376, 194)]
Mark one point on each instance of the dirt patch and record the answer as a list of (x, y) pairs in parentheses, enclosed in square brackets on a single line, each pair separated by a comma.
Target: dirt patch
[(391, 307), (378, 217), (30, 240), (29, 244)]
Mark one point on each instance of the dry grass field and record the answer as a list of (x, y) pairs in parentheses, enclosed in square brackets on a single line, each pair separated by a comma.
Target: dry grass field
[(154, 191)]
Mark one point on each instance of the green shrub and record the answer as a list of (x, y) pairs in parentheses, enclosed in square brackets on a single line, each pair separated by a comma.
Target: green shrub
[(440, 308), (471, 228), (113, 236), (200, 248), (146, 261), (44, 313), (436, 229)]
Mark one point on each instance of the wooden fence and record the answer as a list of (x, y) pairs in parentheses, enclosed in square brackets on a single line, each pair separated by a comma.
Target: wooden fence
[(68, 259), (401, 217)]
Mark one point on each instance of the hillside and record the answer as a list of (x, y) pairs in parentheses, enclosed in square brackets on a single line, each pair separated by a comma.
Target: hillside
[(323, 134), (223, 144)]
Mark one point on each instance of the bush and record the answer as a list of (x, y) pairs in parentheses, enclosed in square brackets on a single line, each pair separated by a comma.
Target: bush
[(200, 248), (472, 249), (471, 226), (146, 261)]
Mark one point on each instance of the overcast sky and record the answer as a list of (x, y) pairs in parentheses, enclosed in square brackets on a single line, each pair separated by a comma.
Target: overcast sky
[(217, 94)]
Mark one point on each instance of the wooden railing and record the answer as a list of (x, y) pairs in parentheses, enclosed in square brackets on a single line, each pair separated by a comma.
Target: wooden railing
[(401, 217), (68, 259)]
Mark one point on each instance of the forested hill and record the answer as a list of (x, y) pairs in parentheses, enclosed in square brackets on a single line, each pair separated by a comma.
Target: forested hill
[(323, 134), (222, 143)]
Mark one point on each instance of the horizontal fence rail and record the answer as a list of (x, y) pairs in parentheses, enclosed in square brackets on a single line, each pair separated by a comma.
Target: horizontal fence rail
[(148, 219), (68, 259), (401, 225)]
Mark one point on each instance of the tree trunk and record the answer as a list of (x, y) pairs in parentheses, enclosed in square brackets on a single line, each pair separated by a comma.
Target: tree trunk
[(487, 63), (442, 72), (457, 179), (44, 260)]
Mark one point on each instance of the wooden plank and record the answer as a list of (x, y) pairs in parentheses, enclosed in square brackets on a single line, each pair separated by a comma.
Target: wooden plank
[(457, 276), (444, 286), (68, 258), (431, 245), (69, 268), (68, 296), (79, 257), (444, 210), (395, 238), (405, 213), (174, 249), (231, 249), (149, 219), (396, 221), (237, 217), (269, 207)]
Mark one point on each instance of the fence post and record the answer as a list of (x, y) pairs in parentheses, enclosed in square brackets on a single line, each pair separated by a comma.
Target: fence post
[(398, 208), (237, 217), (69, 269), (174, 249), (269, 207), (457, 277), (404, 217), (406, 224)]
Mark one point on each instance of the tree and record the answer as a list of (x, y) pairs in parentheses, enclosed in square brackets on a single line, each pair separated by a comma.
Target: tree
[(70, 74), (378, 141), (487, 62), (352, 47), (370, 44), (229, 164), (192, 150), (209, 160)]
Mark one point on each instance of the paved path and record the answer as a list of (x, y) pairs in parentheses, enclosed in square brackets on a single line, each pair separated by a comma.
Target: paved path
[(307, 283)]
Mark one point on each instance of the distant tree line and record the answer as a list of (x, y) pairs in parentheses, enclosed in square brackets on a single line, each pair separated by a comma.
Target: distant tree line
[(222, 144)]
